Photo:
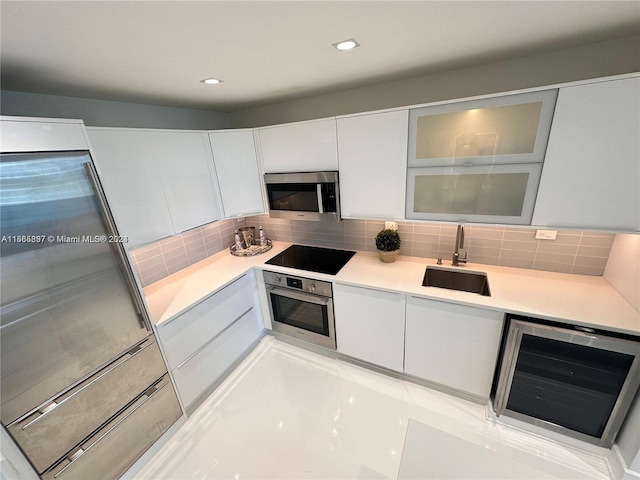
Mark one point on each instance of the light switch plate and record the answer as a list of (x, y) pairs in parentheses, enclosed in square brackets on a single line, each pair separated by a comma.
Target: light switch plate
[(546, 234), (391, 225)]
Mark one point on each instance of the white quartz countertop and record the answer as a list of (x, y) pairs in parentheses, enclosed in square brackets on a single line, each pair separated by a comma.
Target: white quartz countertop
[(578, 299)]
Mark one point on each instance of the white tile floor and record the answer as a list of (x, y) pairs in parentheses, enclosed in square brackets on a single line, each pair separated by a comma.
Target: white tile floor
[(289, 413)]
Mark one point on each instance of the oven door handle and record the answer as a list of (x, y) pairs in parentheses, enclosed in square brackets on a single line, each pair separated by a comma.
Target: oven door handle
[(302, 296)]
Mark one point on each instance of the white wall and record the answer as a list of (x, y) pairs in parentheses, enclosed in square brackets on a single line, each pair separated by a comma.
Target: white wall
[(555, 66), (106, 113), (623, 267)]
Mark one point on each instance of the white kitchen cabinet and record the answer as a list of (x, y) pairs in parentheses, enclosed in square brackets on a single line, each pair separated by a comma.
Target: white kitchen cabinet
[(204, 341), (591, 174), (237, 171), (133, 187), (372, 153), (370, 325), (25, 134), (478, 160), (158, 182), (474, 193), (452, 345), (299, 147), (504, 129), (183, 335), (195, 377)]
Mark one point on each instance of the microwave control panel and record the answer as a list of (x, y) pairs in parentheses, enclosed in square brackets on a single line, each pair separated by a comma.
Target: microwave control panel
[(329, 198)]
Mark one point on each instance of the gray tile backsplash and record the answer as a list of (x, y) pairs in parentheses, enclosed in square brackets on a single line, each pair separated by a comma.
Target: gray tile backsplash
[(583, 253), (160, 259)]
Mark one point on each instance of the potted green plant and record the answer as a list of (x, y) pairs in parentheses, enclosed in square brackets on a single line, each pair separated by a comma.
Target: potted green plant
[(388, 244)]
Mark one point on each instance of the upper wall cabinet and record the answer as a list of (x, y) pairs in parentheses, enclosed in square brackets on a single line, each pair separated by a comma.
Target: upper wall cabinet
[(158, 182), (239, 178), (299, 147), (372, 150), (507, 129), (503, 194), (26, 134), (478, 161), (591, 175)]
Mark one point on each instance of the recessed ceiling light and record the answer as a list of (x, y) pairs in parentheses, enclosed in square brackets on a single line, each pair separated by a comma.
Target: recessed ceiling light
[(211, 81), (346, 45)]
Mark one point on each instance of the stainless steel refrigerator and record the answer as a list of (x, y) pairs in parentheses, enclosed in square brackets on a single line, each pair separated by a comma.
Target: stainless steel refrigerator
[(84, 388)]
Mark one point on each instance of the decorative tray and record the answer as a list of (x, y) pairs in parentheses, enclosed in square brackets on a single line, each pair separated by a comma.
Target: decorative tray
[(251, 251)]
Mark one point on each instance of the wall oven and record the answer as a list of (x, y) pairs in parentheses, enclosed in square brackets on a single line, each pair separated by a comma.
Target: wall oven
[(570, 379), (302, 308), (304, 196)]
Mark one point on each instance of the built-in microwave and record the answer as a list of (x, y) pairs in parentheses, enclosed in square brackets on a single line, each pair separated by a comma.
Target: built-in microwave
[(304, 196)]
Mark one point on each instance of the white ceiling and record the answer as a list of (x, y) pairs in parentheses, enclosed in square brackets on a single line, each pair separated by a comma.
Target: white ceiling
[(269, 51)]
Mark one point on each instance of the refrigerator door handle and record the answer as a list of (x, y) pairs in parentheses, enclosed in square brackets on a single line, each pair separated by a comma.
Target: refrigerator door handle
[(118, 248)]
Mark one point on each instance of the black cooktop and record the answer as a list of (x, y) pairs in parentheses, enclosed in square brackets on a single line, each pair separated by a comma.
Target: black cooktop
[(313, 259)]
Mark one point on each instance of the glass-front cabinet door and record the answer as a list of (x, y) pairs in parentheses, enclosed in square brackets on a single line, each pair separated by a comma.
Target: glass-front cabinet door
[(476, 193), (500, 130)]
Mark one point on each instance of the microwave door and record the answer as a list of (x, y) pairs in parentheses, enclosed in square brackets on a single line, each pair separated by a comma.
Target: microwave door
[(295, 197), (303, 196)]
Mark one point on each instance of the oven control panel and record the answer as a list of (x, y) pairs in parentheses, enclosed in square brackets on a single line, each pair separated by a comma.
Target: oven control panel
[(317, 287)]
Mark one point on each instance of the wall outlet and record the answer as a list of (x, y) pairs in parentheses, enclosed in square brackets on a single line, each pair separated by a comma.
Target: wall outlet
[(391, 225), (546, 234)]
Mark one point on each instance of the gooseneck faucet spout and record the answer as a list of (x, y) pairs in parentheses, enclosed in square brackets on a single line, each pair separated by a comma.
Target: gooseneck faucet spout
[(456, 260)]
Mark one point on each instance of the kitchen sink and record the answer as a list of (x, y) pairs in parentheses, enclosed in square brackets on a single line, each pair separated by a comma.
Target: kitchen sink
[(475, 282)]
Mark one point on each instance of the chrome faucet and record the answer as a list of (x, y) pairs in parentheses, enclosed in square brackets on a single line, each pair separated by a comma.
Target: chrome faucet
[(456, 260)]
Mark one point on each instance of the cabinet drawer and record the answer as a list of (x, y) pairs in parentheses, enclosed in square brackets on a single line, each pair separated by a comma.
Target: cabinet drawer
[(199, 372), (71, 416), (118, 445), (185, 334)]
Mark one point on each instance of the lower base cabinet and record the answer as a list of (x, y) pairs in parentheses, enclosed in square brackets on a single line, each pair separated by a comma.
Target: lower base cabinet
[(452, 345), (204, 341), (199, 372), (370, 325)]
